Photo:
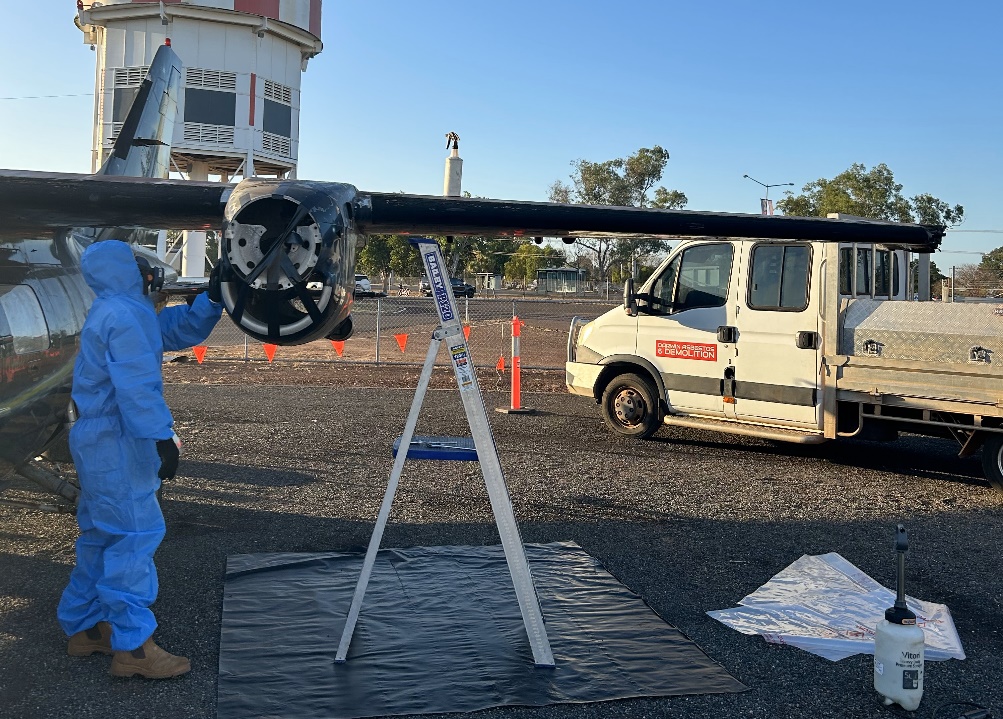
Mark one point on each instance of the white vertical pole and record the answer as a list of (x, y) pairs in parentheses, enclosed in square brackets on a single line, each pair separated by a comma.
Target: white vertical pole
[(923, 267), (162, 245), (379, 314), (454, 168), (193, 252)]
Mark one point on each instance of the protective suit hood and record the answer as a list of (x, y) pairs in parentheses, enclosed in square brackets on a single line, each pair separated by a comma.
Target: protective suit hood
[(109, 268)]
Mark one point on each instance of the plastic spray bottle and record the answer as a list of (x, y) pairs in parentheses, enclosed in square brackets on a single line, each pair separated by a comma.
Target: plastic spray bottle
[(898, 644)]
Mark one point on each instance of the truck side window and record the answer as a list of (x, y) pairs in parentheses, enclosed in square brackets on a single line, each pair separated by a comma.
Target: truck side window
[(882, 273), (703, 277), (697, 278), (664, 289), (779, 278), (846, 271), (864, 271)]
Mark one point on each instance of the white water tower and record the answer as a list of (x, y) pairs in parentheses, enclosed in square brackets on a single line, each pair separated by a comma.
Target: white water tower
[(239, 115)]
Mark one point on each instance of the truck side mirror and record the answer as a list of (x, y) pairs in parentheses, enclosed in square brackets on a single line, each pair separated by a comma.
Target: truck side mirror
[(629, 300)]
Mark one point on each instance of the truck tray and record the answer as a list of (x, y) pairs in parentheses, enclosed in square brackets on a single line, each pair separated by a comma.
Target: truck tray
[(952, 333)]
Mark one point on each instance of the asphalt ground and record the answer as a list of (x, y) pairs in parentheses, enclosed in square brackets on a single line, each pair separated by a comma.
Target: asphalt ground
[(691, 521)]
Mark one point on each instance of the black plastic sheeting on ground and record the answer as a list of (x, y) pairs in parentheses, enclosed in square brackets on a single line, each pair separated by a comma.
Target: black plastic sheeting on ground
[(440, 631)]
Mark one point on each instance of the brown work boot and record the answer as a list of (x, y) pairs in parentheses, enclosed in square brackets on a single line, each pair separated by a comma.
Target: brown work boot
[(149, 661), (95, 640)]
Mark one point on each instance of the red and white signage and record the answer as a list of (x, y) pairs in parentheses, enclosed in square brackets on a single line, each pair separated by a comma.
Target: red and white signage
[(686, 350)]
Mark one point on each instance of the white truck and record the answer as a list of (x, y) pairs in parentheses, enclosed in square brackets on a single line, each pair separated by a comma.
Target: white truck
[(797, 341)]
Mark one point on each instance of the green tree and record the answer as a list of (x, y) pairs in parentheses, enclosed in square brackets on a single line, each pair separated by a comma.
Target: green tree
[(384, 254), (936, 277), (868, 193), (529, 258), (993, 262), (669, 199), (374, 258), (404, 258), (626, 182), (490, 255)]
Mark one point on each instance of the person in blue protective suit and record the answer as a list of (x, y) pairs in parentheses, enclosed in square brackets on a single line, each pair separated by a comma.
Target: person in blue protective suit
[(123, 444)]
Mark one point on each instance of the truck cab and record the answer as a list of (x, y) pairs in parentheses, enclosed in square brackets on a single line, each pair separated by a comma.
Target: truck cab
[(728, 330)]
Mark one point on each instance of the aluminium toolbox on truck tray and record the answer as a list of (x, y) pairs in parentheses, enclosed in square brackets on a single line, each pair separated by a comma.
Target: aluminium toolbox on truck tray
[(932, 350)]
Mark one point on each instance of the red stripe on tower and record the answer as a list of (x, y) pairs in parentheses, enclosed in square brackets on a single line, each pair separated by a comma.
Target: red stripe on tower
[(250, 113), (265, 8)]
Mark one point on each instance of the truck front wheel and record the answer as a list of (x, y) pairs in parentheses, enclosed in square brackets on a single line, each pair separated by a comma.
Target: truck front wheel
[(630, 406), (992, 460)]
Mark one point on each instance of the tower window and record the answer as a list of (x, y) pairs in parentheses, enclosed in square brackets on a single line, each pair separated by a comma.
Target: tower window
[(210, 107)]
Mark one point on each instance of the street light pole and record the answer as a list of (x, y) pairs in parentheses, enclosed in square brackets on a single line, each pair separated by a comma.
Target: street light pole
[(766, 200)]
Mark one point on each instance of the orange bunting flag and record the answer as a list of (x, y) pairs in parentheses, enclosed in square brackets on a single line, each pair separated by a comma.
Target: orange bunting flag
[(269, 351), (401, 341), (199, 352), (339, 346), (501, 364), (466, 332)]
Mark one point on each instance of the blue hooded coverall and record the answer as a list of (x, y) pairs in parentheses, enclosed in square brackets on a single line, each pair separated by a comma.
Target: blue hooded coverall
[(119, 393)]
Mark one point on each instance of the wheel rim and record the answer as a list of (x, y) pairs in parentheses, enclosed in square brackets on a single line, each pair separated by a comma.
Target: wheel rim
[(999, 460), (629, 407)]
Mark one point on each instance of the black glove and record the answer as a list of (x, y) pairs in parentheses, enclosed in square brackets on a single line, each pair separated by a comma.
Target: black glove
[(169, 454), (215, 289)]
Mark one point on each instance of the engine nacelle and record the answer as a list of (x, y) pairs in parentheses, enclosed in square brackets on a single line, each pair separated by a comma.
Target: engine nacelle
[(280, 236)]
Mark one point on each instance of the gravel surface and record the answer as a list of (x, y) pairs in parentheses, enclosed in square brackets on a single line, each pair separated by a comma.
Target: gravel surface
[(690, 520)]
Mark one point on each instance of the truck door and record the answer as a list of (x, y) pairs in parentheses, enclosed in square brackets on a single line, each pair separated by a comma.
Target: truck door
[(677, 330), (777, 363)]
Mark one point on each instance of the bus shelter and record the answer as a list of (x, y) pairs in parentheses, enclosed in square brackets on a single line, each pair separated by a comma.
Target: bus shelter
[(563, 280)]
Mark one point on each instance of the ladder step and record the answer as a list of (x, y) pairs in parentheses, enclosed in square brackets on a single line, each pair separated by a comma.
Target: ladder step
[(443, 448)]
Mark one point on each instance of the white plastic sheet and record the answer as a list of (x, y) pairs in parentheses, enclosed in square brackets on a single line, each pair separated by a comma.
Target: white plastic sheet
[(825, 605)]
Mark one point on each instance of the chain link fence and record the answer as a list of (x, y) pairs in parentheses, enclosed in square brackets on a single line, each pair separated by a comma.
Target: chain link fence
[(397, 330)]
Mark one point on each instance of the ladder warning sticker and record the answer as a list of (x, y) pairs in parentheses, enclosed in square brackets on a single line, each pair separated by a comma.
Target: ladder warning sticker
[(686, 350), (461, 362)]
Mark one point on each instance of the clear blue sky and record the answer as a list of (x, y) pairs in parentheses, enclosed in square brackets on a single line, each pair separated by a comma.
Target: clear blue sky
[(783, 91)]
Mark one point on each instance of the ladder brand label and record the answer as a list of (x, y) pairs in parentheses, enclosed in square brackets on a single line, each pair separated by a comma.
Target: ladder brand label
[(439, 289), (686, 350)]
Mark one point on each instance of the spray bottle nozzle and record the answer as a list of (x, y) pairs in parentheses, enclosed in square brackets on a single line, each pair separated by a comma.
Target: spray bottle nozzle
[(901, 546), (901, 539)]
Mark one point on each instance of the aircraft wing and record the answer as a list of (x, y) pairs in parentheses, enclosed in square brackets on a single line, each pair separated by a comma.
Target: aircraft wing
[(37, 201), (280, 235), (389, 213), (32, 200)]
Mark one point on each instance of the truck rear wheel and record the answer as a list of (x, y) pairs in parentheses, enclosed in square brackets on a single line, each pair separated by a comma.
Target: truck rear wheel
[(630, 406), (992, 460)]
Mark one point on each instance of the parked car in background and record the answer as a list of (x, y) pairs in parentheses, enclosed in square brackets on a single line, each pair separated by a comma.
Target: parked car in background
[(363, 287), (460, 288)]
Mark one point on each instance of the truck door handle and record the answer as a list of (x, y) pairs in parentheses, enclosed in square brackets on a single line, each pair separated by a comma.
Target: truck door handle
[(806, 340), (727, 335)]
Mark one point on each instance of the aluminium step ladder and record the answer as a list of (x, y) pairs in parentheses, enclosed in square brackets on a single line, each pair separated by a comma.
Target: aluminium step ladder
[(450, 331)]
